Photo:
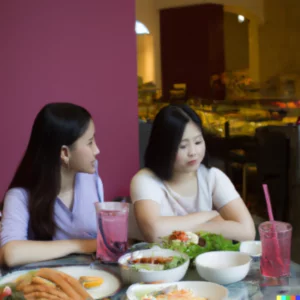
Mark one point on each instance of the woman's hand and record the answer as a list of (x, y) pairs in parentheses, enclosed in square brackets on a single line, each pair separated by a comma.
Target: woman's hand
[(25, 252), (86, 246), (234, 222)]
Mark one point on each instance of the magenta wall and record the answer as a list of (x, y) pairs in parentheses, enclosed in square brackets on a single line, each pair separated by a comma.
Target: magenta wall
[(72, 50)]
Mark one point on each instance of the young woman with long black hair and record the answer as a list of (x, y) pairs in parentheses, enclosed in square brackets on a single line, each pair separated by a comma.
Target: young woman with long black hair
[(48, 210), (178, 190)]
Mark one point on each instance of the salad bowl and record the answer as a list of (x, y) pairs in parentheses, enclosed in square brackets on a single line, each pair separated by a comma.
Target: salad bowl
[(153, 265)]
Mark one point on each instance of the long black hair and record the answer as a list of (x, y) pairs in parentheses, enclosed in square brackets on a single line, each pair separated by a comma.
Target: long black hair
[(56, 125), (166, 135)]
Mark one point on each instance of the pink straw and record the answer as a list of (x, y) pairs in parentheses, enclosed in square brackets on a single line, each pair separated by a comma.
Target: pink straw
[(268, 200), (271, 218)]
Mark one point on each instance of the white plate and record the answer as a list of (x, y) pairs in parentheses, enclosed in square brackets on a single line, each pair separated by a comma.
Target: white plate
[(209, 290), (110, 285)]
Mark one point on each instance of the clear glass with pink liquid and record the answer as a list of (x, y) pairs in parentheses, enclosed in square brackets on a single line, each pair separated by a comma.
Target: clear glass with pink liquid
[(112, 218), (276, 238)]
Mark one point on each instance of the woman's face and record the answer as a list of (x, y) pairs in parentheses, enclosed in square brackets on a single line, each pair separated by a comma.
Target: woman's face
[(82, 155), (191, 149)]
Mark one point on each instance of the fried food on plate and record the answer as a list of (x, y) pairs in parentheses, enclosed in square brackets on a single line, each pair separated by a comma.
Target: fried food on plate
[(50, 284)]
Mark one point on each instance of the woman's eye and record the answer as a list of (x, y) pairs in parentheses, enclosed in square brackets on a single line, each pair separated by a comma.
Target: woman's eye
[(182, 147), (199, 142)]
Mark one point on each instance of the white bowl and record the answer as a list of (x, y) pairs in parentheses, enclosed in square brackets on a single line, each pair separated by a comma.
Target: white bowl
[(253, 248), (130, 275), (209, 290), (223, 267)]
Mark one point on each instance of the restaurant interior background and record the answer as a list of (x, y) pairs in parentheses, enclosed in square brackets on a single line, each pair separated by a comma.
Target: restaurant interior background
[(237, 64), (249, 72)]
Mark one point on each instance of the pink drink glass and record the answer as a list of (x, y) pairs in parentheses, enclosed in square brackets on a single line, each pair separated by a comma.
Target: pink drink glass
[(112, 218), (276, 248)]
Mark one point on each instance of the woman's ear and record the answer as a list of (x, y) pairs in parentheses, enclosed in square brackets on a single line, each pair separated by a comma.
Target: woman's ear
[(65, 155)]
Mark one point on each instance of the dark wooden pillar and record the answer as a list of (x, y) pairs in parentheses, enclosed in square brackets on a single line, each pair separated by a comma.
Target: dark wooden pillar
[(192, 47)]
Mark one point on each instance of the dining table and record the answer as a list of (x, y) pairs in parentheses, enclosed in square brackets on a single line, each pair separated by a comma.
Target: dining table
[(254, 286)]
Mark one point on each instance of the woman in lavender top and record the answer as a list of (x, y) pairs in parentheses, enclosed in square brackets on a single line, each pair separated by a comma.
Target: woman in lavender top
[(48, 210)]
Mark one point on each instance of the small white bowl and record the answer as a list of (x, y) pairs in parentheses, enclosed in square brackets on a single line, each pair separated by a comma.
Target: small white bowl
[(130, 275), (209, 290), (253, 248), (223, 267)]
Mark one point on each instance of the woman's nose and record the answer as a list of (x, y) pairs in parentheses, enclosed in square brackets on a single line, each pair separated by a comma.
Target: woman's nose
[(192, 150), (96, 151)]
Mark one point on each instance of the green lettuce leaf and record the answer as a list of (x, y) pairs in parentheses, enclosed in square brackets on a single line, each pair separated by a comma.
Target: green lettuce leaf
[(214, 242), (174, 263), (148, 267)]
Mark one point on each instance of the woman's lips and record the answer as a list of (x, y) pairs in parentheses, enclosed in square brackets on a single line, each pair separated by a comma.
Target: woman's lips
[(192, 162)]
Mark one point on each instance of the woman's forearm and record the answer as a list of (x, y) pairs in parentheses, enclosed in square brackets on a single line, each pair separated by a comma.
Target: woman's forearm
[(163, 226), (230, 229), (24, 252)]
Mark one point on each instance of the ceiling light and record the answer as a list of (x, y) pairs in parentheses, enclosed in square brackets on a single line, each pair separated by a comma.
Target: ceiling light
[(241, 18), (140, 28)]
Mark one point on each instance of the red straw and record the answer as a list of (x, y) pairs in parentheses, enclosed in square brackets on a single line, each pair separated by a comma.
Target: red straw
[(268, 200)]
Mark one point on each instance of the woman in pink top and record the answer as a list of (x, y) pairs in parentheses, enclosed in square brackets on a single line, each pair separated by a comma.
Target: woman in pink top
[(177, 190), (48, 210)]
